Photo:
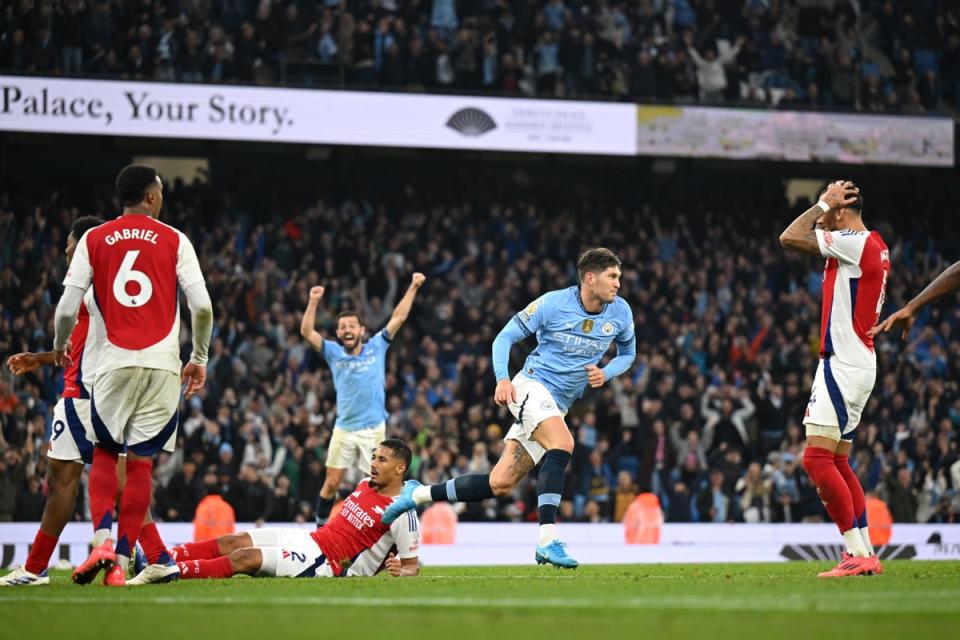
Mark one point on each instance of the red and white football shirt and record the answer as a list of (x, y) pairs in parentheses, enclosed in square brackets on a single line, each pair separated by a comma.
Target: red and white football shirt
[(85, 341), (356, 542), (854, 285), (135, 264)]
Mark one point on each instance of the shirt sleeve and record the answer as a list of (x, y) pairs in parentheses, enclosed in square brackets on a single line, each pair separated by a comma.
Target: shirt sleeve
[(406, 535), (80, 273), (331, 351), (533, 316), (381, 340), (846, 246), (188, 267)]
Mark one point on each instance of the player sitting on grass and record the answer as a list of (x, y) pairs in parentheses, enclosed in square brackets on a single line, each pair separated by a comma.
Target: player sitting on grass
[(355, 542)]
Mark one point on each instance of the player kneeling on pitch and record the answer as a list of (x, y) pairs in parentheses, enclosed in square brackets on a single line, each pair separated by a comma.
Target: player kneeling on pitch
[(355, 542)]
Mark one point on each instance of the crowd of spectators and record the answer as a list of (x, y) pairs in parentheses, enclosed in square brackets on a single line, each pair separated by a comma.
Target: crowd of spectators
[(708, 418), (870, 55)]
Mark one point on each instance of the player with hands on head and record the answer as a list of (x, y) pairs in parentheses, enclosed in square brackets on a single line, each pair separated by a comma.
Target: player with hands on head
[(854, 284)]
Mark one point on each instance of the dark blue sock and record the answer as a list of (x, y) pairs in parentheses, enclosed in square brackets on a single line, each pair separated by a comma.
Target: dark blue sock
[(550, 484), (472, 487)]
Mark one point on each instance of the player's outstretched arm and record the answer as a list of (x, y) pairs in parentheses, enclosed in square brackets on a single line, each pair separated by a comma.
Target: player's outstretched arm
[(801, 235), (946, 282), (402, 311), (309, 321), (23, 363), (405, 568)]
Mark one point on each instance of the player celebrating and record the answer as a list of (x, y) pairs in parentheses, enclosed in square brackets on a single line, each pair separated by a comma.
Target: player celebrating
[(359, 376), (574, 328), (135, 264), (854, 282), (355, 542), (946, 282)]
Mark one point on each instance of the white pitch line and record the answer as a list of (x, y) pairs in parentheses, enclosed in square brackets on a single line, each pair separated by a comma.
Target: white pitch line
[(839, 603)]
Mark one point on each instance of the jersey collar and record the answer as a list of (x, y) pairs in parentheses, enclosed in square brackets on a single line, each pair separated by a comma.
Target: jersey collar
[(576, 294)]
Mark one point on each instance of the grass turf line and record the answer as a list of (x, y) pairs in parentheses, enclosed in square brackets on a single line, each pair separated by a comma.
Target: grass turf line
[(782, 600)]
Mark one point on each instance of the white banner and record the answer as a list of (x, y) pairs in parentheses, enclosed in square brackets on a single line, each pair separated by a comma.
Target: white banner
[(216, 112), (795, 136), (513, 544)]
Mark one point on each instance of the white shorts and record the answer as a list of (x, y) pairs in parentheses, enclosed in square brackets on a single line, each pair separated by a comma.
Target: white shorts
[(71, 436), (289, 553), (136, 406), (534, 405), (349, 448), (839, 395)]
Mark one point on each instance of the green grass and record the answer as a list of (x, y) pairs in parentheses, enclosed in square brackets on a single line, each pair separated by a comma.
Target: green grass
[(777, 601)]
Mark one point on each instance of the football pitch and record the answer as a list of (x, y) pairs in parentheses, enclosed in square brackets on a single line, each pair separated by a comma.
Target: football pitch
[(911, 600)]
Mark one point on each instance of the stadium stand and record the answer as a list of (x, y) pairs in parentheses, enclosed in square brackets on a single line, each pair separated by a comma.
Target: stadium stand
[(877, 56), (708, 418)]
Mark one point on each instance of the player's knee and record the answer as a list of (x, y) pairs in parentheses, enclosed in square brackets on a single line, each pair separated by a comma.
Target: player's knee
[(246, 560), (233, 542), (566, 444), (501, 485), (62, 478)]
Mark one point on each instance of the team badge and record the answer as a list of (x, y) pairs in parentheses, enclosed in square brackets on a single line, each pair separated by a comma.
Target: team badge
[(607, 328), (587, 326), (531, 309), (546, 405)]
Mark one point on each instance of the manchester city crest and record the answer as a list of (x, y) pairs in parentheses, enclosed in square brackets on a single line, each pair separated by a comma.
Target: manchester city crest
[(607, 328)]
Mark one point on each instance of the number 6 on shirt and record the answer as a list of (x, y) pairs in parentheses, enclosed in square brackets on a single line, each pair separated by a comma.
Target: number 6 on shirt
[(126, 274)]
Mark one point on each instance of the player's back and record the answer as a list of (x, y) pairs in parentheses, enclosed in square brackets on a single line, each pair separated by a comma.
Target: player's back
[(854, 286), (135, 263)]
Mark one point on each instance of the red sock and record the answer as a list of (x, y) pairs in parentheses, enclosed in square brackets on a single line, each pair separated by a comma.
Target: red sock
[(199, 569), (830, 485), (134, 504), (203, 550), (40, 552), (153, 545), (103, 488), (856, 489)]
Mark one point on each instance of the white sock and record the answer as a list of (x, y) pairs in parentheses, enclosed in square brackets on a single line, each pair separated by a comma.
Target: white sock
[(854, 543), (865, 535), (123, 561), (100, 536), (421, 495), (548, 533)]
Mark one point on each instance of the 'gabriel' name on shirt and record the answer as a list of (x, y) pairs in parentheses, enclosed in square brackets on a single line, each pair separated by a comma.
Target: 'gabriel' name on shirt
[(131, 234)]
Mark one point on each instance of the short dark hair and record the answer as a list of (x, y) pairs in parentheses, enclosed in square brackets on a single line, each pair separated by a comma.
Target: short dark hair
[(596, 260), (856, 206), (83, 224), (133, 183), (399, 449), (350, 313)]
